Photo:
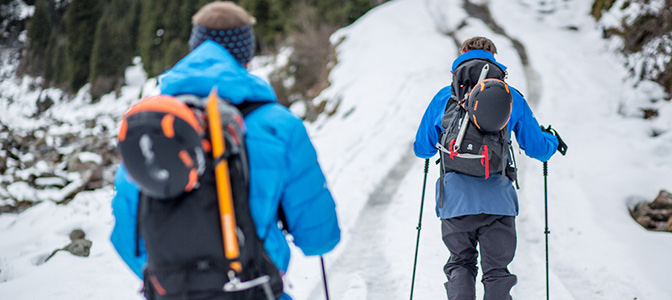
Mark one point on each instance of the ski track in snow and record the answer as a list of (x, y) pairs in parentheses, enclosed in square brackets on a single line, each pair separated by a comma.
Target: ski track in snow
[(365, 275)]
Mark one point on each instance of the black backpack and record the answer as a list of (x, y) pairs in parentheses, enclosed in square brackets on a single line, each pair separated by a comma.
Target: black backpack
[(184, 237), (464, 147)]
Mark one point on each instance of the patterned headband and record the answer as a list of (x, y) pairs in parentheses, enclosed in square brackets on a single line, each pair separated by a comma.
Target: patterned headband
[(239, 41)]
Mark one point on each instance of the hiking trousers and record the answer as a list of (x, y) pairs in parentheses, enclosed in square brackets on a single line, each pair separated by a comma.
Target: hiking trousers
[(496, 237)]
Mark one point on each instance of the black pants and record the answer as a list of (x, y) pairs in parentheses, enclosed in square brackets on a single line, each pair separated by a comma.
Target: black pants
[(496, 236)]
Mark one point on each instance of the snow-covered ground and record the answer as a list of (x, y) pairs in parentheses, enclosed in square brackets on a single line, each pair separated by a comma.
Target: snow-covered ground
[(391, 62)]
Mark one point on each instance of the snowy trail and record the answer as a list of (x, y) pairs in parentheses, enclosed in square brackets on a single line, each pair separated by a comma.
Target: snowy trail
[(361, 273)]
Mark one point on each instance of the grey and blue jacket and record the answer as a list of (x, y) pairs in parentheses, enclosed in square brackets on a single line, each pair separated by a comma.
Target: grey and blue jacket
[(469, 195)]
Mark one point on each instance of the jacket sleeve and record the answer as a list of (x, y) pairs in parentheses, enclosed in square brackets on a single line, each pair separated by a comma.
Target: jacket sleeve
[(308, 206), (125, 211), (430, 126), (536, 143)]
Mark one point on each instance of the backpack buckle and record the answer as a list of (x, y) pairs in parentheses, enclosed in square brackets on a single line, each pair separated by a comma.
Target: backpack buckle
[(236, 285)]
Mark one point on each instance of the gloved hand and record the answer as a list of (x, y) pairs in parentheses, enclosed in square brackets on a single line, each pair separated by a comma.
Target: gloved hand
[(562, 147)]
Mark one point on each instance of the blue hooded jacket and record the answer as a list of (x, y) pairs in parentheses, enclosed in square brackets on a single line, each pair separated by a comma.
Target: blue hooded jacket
[(283, 163), (469, 195)]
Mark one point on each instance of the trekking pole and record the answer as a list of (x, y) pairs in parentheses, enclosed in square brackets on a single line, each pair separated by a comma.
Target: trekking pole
[(324, 277), (546, 231), (562, 148), (417, 241)]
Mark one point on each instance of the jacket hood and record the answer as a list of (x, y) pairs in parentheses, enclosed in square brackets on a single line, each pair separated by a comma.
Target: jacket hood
[(211, 65), (476, 54)]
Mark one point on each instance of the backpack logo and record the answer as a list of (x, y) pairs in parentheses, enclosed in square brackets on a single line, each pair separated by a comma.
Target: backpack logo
[(146, 148)]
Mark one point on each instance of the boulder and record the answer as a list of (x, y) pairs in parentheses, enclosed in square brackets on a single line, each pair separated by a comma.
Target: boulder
[(662, 201), (656, 215)]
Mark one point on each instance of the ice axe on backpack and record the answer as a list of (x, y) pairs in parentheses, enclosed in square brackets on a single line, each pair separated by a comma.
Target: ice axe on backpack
[(226, 209), (465, 121), (562, 148)]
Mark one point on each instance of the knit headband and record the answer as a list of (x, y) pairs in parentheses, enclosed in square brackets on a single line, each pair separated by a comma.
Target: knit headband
[(239, 41)]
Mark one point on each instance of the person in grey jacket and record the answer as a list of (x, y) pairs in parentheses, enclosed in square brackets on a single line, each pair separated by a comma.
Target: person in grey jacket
[(475, 210)]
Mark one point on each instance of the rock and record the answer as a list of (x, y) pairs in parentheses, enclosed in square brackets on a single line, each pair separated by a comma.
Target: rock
[(660, 215), (3, 164), (646, 222), (641, 209), (656, 215), (662, 201), (43, 104), (77, 234), (668, 225), (89, 166), (79, 247)]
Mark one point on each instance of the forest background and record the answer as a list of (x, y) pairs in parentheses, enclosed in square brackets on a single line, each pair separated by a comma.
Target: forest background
[(71, 43)]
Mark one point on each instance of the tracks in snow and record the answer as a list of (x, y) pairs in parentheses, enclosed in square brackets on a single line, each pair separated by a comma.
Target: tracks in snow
[(361, 273)]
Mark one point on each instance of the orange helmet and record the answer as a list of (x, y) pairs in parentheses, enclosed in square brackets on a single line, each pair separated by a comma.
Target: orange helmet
[(160, 142)]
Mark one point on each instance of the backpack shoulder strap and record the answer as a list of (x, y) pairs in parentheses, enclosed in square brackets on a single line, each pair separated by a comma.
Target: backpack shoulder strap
[(247, 107)]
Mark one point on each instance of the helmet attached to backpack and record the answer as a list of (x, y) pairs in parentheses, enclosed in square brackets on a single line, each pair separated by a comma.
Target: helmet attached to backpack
[(161, 145), (475, 138), (490, 104)]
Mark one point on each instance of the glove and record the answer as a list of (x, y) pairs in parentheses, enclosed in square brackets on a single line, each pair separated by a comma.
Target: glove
[(562, 147)]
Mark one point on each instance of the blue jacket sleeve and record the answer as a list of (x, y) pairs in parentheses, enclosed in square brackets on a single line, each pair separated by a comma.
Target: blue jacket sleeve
[(125, 211), (536, 143), (430, 126), (308, 206)]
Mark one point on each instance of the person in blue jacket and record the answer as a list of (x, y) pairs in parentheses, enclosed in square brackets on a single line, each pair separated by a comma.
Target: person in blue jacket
[(476, 210), (284, 168)]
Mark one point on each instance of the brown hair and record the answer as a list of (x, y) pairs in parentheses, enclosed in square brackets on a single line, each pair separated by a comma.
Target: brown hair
[(222, 15), (478, 43)]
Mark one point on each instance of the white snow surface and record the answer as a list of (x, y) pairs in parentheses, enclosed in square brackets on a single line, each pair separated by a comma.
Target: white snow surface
[(390, 64)]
